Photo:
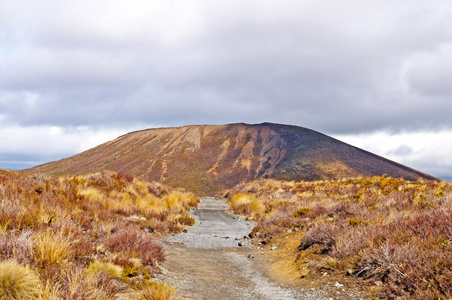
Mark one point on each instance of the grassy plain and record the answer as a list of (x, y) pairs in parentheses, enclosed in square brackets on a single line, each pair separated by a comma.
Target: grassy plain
[(394, 235), (92, 236), (85, 237)]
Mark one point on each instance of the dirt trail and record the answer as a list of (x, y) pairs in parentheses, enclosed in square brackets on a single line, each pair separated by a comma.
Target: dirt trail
[(207, 262)]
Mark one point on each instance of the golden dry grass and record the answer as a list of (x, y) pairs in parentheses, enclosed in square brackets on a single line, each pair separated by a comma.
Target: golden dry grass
[(66, 230), (51, 291), (18, 281), (111, 270), (156, 291), (378, 229), (53, 247)]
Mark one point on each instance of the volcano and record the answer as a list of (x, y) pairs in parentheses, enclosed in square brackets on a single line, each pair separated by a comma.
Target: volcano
[(207, 159)]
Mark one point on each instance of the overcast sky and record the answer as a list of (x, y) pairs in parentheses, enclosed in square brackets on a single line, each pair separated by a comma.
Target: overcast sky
[(376, 74)]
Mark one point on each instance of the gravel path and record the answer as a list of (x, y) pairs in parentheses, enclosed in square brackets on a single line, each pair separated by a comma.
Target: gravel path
[(207, 262), (214, 227)]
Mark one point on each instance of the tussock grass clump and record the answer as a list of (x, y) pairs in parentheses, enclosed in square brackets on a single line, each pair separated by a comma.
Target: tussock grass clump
[(186, 220), (156, 291), (97, 285), (53, 248), (17, 281), (51, 291), (379, 229), (246, 203), (111, 270)]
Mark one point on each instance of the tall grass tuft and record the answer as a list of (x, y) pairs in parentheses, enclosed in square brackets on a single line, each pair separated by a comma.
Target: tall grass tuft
[(111, 270), (53, 248), (51, 291), (156, 291), (82, 285), (17, 281)]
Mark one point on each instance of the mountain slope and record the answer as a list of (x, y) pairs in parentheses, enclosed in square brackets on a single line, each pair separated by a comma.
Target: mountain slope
[(207, 158)]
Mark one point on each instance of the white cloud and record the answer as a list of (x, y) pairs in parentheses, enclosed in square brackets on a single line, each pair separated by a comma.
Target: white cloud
[(426, 151), (24, 147), (51, 140)]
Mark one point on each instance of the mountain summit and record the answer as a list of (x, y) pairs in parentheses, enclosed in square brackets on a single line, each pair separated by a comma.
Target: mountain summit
[(209, 158)]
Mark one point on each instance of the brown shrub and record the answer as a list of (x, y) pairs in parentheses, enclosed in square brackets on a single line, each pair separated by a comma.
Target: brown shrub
[(137, 244), (124, 177), (320, 235), (16, 246)]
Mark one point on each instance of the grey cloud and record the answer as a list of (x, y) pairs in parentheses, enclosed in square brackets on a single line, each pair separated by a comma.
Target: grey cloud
[(401, 150), (335, 67), (429, 73)]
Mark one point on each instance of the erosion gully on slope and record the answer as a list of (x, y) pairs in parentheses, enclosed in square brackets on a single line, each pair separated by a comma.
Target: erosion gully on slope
[(214, 260)]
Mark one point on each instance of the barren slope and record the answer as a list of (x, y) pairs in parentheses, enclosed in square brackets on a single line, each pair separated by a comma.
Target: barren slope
[(207, 159)]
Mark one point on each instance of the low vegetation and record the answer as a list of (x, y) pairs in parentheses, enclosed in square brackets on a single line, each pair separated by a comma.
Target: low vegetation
[(17, 282), (394, 234), (86, 237)]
